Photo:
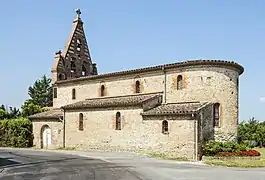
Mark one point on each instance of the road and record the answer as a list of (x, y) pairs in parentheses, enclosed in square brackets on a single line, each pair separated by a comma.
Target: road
[(21, 164)]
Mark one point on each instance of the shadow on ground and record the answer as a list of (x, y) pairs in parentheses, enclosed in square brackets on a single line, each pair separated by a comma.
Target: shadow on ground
[(4, 162)]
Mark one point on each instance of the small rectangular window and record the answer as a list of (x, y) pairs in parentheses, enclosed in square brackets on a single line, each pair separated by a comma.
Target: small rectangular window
[(54, 92)]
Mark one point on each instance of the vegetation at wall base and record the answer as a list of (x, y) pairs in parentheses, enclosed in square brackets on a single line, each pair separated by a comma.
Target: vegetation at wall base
[(211, 148), (243, 163), (241, 153)]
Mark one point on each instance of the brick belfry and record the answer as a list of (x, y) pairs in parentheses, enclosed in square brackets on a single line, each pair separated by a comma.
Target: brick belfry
[(75, 60)]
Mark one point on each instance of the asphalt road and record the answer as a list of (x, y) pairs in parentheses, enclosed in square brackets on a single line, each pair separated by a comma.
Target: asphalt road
[(48, 165)]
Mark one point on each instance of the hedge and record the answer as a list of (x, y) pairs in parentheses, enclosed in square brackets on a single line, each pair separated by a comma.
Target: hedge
[(211, 148), (16, 133)]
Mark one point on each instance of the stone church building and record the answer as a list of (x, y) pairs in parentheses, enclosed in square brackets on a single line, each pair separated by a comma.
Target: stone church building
[(169, 108)]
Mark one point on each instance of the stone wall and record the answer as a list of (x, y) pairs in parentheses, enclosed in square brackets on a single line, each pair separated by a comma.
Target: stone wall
[(56, 132), (116, 86), (136, 133), (200, 83)]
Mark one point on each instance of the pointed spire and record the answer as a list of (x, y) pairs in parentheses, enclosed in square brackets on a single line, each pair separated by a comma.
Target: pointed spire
[(75, 60)]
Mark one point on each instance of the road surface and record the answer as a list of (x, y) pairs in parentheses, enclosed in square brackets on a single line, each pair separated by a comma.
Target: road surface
[(21, 164)]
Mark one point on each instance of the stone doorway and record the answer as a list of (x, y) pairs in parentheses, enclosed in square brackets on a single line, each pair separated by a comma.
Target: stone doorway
[(46, 137)]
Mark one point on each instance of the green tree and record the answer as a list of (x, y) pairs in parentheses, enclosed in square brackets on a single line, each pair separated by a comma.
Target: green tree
[(41, 92), (3, 114), (252, 131), (14, 112), (29, 108)]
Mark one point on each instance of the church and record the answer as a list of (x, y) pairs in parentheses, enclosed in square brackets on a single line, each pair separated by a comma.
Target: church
[(169, 108)]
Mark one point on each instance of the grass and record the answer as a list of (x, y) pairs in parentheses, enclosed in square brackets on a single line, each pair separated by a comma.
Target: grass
[(168, 157), (66, 148), (241, 163), (163, 156)]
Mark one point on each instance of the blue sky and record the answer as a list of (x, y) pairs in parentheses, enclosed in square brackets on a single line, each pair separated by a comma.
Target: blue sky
[(131, 34)]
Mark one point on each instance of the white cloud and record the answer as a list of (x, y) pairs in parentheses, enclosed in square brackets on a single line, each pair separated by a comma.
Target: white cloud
[(262, 99)]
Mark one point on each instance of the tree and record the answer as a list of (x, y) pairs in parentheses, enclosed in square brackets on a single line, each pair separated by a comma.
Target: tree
[(41, 92), (252, 131), (3, 114), (29, 108), (14, 113)]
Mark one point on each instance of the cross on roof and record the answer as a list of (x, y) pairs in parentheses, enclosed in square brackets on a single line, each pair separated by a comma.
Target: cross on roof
[(78, 12)]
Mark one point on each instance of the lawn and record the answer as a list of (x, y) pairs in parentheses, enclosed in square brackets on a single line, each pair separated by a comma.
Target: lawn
[(241, 163)]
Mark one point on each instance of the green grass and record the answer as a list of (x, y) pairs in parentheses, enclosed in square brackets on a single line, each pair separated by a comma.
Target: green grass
[(241, 162)]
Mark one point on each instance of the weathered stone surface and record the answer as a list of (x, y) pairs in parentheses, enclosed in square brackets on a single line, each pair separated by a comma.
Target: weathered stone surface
[(135, 134), (56, 132), (211, 81)]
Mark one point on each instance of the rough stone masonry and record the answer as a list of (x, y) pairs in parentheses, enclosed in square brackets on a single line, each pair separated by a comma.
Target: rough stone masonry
[(169, 108)]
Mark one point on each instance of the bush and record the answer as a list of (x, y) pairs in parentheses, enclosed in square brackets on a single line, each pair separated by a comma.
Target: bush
[(16, 133), (211, 148), (243, 153)]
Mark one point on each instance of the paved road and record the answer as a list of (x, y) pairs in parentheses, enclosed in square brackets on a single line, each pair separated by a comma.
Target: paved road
[(48, 165)]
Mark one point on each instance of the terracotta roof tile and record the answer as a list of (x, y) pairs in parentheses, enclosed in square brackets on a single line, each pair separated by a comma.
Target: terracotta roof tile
[(116, 101), (176, 108), (53, 114), (164, 66)]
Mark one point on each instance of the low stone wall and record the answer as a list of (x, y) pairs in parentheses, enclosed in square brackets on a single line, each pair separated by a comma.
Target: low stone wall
[(224, 158)]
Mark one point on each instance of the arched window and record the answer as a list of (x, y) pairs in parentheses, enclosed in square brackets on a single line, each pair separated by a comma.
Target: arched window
[(137, 86), (73, 94), (118, 121), (60, 77), (81, 122), (216, 114), (164, 127), (83, 70), (179, 82), (102, 90)]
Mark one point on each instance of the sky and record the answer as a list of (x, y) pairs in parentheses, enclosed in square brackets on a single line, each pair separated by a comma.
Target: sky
[(131, 34)]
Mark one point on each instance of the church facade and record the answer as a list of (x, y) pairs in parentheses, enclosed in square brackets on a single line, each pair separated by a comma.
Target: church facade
[(169, 108)]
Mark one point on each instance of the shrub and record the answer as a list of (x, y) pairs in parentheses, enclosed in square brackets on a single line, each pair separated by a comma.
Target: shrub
[(242, 153), (213, 147), (16, 133)]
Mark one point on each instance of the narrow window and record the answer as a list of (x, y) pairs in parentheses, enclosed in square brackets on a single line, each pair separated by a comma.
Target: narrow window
[(137, 86), (73, 94), (81, 122), (54, 92), (78, 47), (164, 127), (102, 90), (73, 67), (216, 114), (118, 121), (83, 70), (179, 82)]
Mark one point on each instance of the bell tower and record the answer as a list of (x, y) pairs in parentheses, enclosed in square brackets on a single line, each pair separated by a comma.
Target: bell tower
[(75, 60)]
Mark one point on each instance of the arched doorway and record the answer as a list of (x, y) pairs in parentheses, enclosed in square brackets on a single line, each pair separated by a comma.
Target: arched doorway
[(46, 137)]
